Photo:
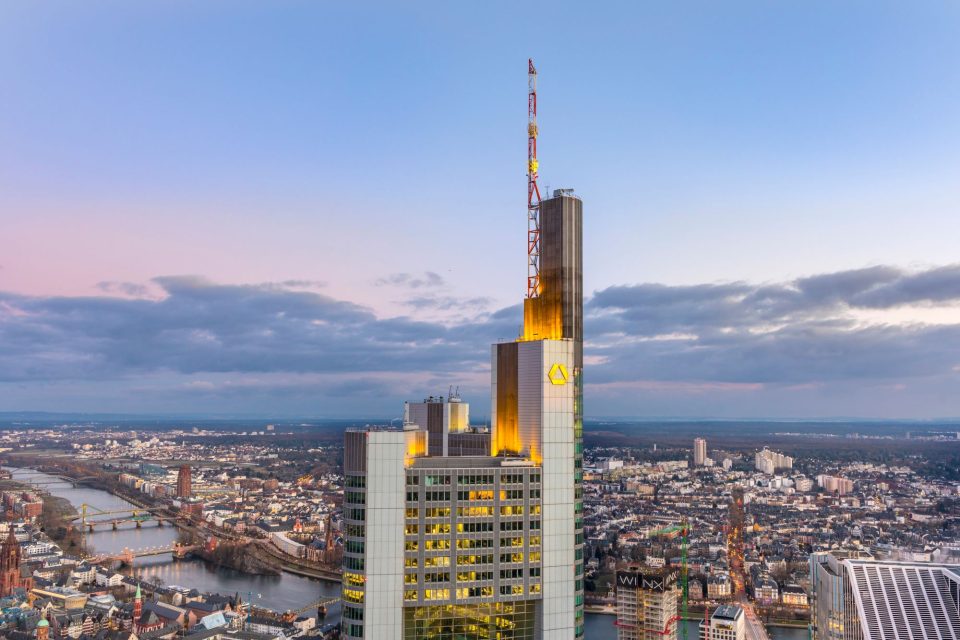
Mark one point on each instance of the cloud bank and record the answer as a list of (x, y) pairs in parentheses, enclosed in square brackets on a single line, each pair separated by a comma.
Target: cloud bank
[(861, 342)]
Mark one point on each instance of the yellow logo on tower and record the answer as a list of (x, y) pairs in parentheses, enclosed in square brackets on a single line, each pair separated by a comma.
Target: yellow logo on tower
[(558, 374)]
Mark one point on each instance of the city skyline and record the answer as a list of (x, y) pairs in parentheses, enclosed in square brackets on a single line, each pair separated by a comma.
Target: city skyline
[(765, 239)]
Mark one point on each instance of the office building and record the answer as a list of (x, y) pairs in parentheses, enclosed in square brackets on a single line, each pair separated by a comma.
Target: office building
[(444, 541), (769, 462), (184, 487), (647, 604), (726, 623), (699, 452), (858, 598)]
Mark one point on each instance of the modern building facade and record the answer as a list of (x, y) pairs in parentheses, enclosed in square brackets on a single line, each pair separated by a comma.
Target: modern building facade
[(858, 598), (647, 604), (699, 452), (456, 533), (726, 623)]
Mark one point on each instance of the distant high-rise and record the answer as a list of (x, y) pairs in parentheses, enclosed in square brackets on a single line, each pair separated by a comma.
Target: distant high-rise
[(444, 543), (647, 604), (858, 598), (769, 462), (184, 482), (699, 452), (834, 484)]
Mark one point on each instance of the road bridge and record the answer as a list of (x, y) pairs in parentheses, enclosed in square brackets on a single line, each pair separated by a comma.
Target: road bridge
[(128, 556)]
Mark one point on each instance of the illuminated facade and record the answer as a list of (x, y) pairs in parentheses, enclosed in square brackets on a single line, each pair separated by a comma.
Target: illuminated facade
[(447, 421), (446, 541), (437, 546), (522, 407)]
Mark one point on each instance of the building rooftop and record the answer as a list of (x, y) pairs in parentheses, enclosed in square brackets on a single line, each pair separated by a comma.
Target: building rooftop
[(728, 612)]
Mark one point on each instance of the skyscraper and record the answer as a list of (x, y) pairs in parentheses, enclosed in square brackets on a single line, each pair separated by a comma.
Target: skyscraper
[(699, 452), (447, 545), (858, 598), (184, 483)]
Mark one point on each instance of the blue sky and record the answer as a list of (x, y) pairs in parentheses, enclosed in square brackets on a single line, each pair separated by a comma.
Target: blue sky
[(157, 158)]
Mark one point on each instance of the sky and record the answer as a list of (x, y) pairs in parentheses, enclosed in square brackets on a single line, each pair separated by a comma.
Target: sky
[(318, 208)]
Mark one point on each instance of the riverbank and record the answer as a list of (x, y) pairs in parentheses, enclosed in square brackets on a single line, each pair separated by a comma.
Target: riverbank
[(55, 518), (266, 559)]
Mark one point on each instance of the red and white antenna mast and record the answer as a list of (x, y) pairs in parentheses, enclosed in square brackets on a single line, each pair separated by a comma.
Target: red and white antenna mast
[(533, 190)]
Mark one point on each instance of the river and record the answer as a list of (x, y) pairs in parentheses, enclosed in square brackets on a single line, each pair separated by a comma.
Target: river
[(600, 627), (280, 593), (283, 592)]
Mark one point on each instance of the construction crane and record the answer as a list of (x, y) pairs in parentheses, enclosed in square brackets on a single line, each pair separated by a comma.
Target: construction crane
[(533, 189), (682, 529)]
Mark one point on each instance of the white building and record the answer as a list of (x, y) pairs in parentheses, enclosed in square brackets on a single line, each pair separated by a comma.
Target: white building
[(769, 462), (726, 623)]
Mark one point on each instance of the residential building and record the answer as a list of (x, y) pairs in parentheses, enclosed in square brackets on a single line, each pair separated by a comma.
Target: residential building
[(699, 452), (769, 462)]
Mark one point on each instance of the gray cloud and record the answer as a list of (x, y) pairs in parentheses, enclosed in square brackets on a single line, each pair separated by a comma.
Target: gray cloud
[(256, 341), (428, 280), (803, 331)]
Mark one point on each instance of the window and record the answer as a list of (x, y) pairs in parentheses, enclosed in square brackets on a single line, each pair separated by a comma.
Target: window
[(353, 579), (436, 577), (436, 545), (436, 529), (437, 561), (353, 595)]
